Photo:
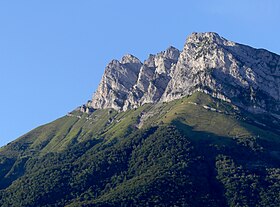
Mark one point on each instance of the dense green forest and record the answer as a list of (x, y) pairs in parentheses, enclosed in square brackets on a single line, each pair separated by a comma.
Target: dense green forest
[(196, 151)]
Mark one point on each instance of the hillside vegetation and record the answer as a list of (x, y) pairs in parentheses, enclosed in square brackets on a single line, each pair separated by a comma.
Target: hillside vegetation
[(194, 151)]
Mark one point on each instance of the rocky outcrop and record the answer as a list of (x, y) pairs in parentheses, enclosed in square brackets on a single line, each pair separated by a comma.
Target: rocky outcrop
[(247, 77), (116, 83), (129, 83), (153, 78)]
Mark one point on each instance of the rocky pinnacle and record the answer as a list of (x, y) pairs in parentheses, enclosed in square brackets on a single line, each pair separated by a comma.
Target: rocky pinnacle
[(245, 76)]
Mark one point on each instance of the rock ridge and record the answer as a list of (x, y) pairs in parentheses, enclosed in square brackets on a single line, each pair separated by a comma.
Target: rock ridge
[(245, 76)]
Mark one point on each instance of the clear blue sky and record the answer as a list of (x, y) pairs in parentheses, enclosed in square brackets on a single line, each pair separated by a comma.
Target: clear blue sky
[(53, 52)]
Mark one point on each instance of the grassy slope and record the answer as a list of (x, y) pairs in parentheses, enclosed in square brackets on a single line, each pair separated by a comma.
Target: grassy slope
[(219, 130), (58, 135)]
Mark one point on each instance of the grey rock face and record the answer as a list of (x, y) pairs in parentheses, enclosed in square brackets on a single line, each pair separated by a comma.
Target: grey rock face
[(129, 83), (153, 78), (247, 77), (117, 81)]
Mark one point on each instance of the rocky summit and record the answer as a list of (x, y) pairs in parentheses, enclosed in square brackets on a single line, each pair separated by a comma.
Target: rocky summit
[(245, 76)]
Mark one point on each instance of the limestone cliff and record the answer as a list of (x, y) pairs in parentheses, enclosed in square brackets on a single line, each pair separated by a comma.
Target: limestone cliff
[(245, 76)]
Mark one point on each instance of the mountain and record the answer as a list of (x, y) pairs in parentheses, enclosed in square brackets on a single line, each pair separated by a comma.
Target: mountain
[(197, 127)]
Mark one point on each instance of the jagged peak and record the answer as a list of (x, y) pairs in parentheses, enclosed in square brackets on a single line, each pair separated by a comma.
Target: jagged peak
[(172, 52), (208, 61), (113, 62), (150, 62), (198, 36), (128, 58), (210, 37), (172, 48)]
